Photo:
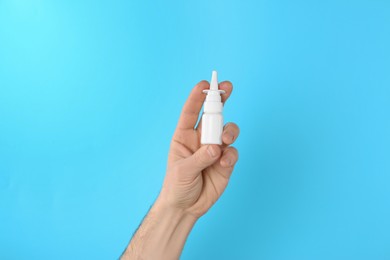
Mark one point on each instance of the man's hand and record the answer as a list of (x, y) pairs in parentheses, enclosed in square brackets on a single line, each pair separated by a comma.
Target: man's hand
[(196, 177)]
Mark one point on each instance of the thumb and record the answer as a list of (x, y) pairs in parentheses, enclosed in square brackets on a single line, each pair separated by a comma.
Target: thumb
[(202, 158)]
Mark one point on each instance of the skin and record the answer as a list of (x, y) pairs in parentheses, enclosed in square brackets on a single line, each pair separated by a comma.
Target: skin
[(196, 177)]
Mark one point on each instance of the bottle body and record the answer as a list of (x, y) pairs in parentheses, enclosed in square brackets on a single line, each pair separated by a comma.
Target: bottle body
[(212, 127), (212, 119)]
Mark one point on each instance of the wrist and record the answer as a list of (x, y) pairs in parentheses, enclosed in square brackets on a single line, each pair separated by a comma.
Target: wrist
[(174, 226), (162, 234), (177, 214)]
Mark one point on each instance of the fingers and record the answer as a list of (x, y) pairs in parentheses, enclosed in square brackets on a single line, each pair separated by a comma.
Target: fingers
[(228, 87), (201, 159), (222, 170), (230, 133), (190, 113), (228, 159)]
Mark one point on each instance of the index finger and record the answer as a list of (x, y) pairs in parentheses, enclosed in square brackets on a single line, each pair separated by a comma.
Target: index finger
[(190, 113)]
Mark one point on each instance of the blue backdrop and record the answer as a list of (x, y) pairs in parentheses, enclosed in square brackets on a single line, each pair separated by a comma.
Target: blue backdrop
[(90, 93)]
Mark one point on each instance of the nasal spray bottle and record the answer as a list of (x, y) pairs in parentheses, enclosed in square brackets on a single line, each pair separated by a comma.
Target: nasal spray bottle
[(212, 119)]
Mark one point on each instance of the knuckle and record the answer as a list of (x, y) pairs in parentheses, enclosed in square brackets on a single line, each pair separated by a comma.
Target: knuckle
[(233, 151), (232, 126)]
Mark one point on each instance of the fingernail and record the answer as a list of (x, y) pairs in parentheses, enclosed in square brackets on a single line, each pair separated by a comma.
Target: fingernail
[(212, 151), (230, 135), (228, 161)]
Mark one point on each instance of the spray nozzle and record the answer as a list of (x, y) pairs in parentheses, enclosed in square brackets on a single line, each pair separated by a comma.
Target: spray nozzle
[(214, 85)]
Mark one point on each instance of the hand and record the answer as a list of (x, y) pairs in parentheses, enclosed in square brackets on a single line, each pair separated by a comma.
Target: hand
[(198, 174), (196, 177)]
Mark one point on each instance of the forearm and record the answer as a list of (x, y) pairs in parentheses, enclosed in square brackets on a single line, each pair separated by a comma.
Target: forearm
[(161, 235)]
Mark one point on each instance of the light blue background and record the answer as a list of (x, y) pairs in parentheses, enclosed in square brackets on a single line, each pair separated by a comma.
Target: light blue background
[(90, 93)]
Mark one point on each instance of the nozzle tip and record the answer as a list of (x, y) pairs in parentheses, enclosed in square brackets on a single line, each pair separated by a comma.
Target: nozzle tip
[(214, 81)]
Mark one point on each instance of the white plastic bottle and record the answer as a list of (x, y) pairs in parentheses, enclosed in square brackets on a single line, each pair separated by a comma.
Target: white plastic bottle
[(212, 119)]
